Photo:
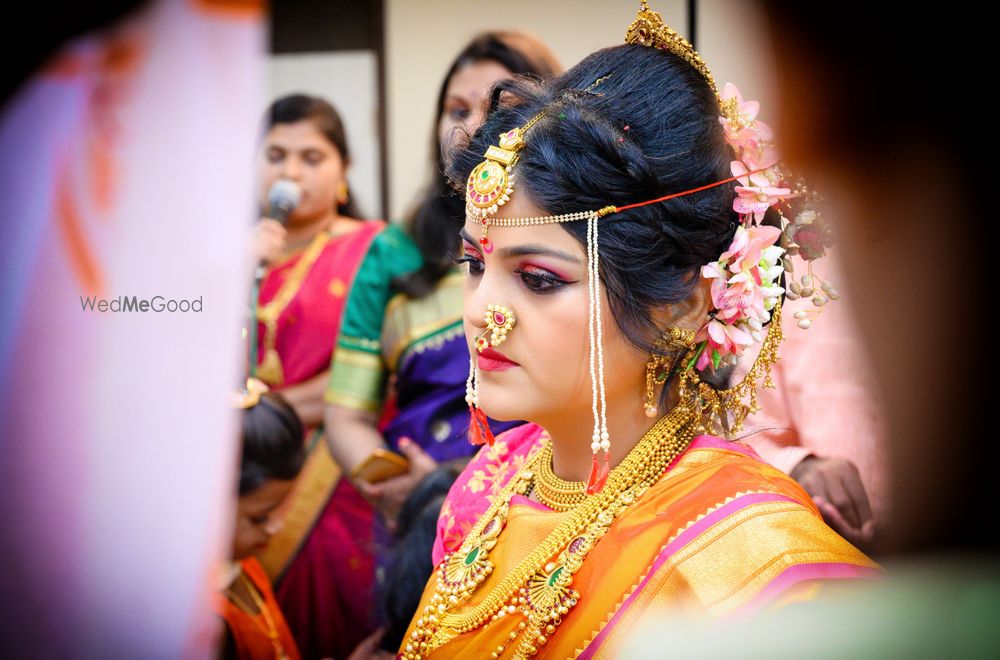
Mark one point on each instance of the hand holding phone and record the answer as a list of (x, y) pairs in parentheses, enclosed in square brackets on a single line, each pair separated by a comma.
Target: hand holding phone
[(380, 465)]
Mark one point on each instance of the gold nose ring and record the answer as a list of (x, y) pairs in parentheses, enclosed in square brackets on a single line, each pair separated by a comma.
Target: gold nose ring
[(499, 321)]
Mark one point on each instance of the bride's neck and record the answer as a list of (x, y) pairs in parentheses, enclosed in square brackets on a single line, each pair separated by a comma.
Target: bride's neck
[(572, 434)]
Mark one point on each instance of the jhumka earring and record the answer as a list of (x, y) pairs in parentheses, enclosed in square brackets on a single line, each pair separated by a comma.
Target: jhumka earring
[(499, 322), (343, 195), (667, 350), (725, 410)]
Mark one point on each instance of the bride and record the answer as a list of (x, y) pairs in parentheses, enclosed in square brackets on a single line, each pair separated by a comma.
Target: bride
[(623, 249)]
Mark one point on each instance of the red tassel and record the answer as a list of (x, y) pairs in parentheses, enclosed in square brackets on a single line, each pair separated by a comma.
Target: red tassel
[(479, 427), (598, 475), (592, 479)]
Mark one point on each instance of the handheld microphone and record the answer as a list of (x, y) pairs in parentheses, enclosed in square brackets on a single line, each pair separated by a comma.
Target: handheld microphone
[(282, 198)]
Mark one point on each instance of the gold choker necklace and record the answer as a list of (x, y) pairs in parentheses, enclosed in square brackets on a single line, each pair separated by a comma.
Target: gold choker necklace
[(552, 491)]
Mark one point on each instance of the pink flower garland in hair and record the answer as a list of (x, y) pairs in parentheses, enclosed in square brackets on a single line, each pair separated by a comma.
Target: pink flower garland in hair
[(745, 278)]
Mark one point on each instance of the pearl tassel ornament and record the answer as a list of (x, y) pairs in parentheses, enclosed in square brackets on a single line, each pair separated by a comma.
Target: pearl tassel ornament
[(471, 395), (601, 439)]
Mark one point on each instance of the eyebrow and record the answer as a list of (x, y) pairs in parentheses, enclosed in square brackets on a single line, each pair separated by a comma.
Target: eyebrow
[(303, 150), (525, 250)]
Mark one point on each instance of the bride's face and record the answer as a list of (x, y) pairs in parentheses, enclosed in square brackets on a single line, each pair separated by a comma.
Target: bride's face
[(540, 273)]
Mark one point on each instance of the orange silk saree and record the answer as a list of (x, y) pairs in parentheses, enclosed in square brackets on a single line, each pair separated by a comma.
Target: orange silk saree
[(720, 534)]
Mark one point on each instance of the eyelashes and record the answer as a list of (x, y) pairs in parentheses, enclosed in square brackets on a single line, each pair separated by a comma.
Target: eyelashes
[(476, 266), (540, 281), (536, 281)]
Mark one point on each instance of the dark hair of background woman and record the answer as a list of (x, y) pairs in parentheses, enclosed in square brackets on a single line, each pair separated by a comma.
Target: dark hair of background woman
[(580, 156), (409, 565), (272, 443), (298, 107), (436, 221)]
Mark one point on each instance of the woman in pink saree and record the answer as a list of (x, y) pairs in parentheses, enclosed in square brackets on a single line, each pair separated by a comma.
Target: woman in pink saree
[(321, 559)]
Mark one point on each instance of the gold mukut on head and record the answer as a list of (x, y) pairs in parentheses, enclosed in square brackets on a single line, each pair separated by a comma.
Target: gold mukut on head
[(648, 29), (499, 321)]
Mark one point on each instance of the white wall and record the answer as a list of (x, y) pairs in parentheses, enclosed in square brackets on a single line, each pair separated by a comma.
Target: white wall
[(732, 41)]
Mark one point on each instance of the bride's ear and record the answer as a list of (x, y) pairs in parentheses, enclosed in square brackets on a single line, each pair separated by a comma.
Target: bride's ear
[(691, 313)]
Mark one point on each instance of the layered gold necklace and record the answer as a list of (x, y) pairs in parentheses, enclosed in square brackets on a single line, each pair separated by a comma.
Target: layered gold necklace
[(539, 587)]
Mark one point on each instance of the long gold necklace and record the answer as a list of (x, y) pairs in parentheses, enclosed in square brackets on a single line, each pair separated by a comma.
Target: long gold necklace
[(271, 629), (270, 369), (539, 588)]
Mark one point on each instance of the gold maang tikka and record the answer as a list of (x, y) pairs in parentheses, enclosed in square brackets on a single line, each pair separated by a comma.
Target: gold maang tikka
[(492, 181)]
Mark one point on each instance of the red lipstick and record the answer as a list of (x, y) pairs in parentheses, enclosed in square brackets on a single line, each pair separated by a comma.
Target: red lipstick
[(493, 360)]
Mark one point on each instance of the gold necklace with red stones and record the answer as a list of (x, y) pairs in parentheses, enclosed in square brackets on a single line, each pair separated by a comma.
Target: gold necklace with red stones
[(539, 588)]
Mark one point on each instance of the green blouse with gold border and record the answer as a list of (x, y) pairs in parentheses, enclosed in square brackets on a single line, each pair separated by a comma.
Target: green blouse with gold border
[(358, 370)]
